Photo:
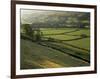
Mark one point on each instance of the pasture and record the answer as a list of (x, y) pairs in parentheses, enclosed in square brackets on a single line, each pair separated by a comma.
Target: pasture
[(57, 47)]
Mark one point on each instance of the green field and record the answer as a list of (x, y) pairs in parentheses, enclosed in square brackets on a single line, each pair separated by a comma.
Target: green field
[(57, 47)]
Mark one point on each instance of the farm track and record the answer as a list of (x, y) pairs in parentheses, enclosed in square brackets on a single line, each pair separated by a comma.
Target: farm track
[(59, 48)]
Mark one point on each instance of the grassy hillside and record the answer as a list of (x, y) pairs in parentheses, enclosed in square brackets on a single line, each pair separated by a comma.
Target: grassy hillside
[(34, 55), (58, 47)]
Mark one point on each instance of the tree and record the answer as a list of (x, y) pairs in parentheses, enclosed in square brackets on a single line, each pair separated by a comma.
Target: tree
[(28, 30)]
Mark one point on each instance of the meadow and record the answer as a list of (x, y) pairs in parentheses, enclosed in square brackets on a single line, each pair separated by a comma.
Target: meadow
[(56, 48)]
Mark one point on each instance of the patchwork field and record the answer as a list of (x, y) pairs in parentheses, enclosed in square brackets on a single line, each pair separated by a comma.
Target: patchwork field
[(57, 47)]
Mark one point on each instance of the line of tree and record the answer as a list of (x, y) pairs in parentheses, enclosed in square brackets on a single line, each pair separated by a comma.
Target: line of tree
[(29, 32)]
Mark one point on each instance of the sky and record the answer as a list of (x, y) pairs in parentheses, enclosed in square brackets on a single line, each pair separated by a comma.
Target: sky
[(29, 16)]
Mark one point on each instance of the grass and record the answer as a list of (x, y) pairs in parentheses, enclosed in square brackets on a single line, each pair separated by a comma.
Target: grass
[(82, 31), (66, 37), (83, 43), (35, 55), (56, 30), (66, 50)]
